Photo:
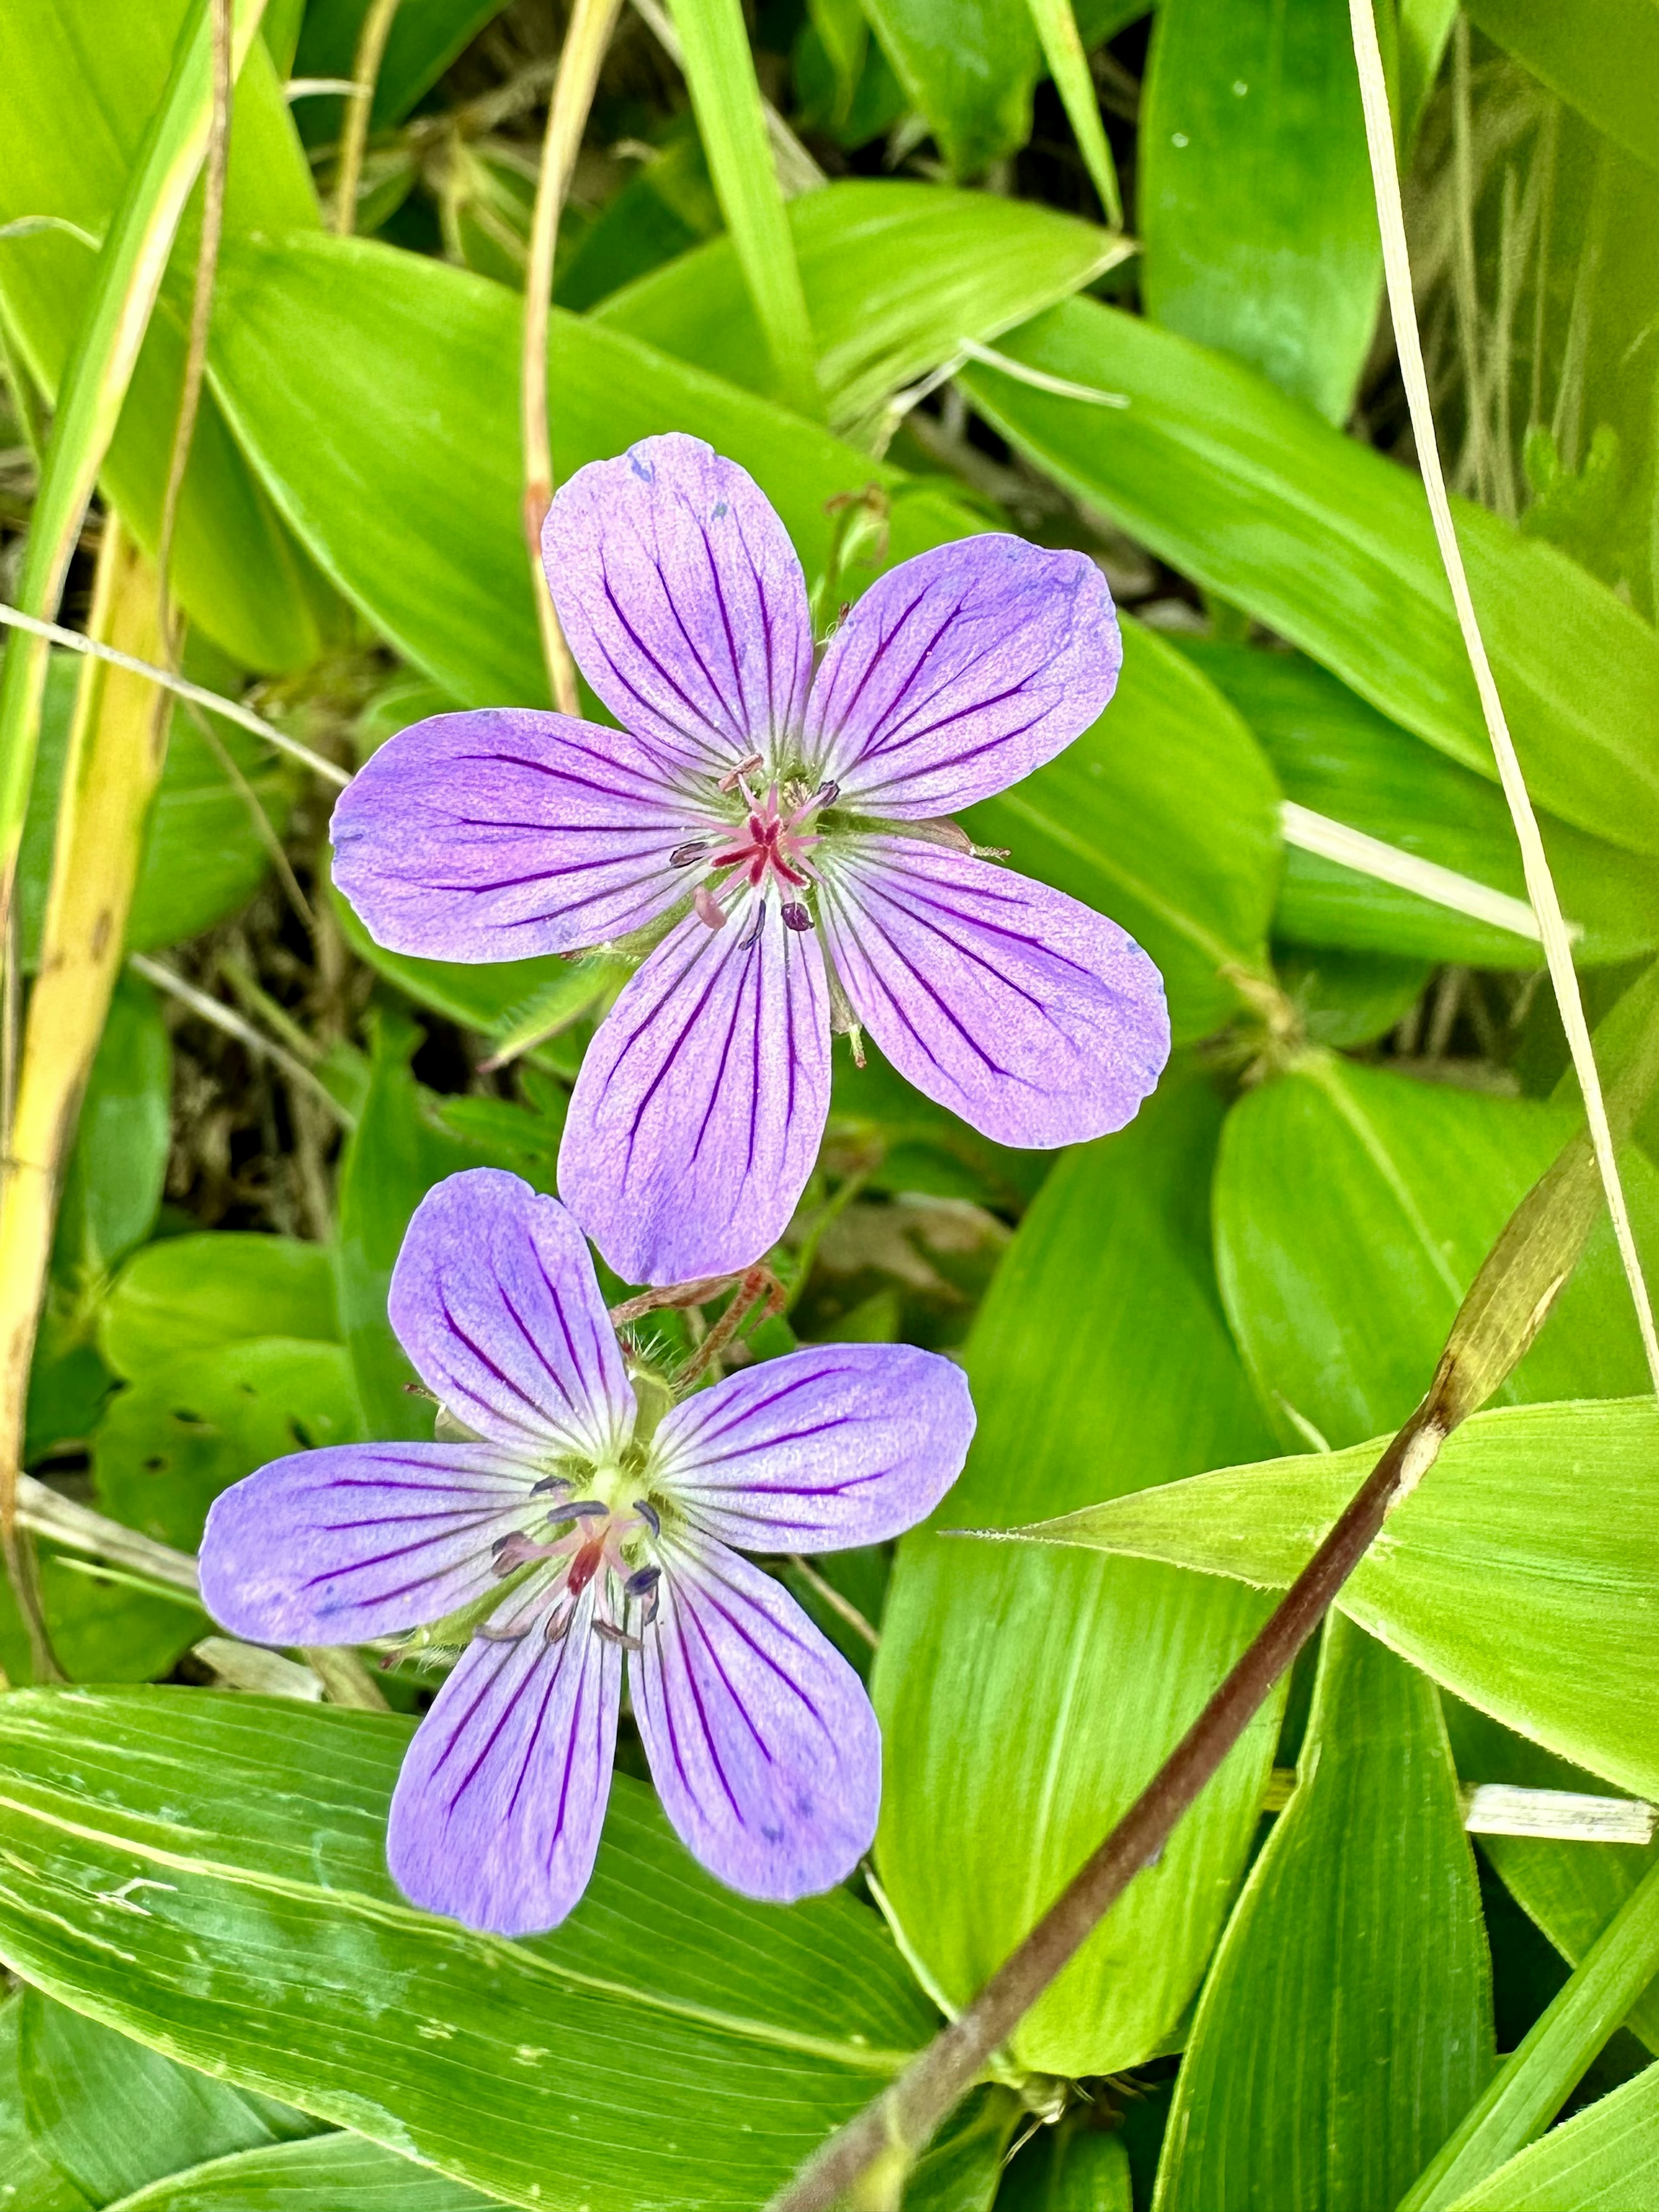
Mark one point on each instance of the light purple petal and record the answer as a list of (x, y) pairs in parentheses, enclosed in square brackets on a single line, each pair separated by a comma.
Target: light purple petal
[(682, 600), (1030, 1015), (494, 1299), (958, 673), (696, 1116), (761, 1742), (501, 834), (358, 1540), (498, 1811), (840, 1445)]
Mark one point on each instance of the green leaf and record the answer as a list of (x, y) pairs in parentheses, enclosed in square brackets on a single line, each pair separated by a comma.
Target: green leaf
[(118, 1169), (1604, 2160), (28, 2180), (968, 65), (1070, 2169), (1354, 1969), (896, 275), (201, 1420), (1252, 160), (1353, 1208), (725, 99), (375, 391), (1339, 756), (1113, 821), (425, 38), (1026, 1697), (115, 2115), (203, 854), (961, 2167), (1570, 1890), (98, 75), (1347, 999), (1329, 543), (332, 2172), (1603, 60), (1519, 1574), (191, 1294), (1068, 65), (103, 1629), (671, 2044)]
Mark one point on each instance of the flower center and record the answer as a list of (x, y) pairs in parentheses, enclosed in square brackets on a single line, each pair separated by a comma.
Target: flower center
[(580, 1541), (769, 847)]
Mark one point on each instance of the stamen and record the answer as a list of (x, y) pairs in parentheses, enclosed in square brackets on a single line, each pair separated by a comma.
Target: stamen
[(584, 1567), (683, 855), (733, 777), (648, 1513), (613, 1635), (754, 931), (550, 1482), (795, 916), (642, 1580), (708, 908), (508, 1635), (578, 1509)]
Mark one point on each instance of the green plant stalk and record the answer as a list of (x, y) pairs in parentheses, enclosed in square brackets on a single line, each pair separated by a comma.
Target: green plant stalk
[(1056, 27), (1537, 2080), (93, 389), (725, 99), (865, 2162), (365, 75)]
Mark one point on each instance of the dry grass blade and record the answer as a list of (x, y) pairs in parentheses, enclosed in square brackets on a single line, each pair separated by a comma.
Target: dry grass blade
[(1541, 884), (365, 76)]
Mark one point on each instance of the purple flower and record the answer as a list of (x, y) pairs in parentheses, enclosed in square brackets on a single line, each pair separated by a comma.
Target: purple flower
[(779, 831), (587, 1518)]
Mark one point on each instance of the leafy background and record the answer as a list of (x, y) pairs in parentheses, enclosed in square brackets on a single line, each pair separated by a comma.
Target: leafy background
[(219, 2001)]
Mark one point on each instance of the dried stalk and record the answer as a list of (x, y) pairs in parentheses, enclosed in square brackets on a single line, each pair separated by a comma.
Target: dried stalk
[(867, 2161), (365, 76), (592, 22)]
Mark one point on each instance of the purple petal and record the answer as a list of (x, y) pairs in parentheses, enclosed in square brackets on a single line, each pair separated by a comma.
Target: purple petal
[(494, 1299), (501, 834), (696, 1118), (1032, 1017), (958, 673), (498, 1811), (358, 1540), (761, 1742), (682, 600), (841, 1444)]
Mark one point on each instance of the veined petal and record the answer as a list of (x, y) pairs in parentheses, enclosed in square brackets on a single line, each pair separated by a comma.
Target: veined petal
[(1026, 1012), (696, 1116), (494, 1299), (958, 673), (500, 834), (838, 1444), (763, 1746), (682, 599), (498, 1811), (358, 1540)]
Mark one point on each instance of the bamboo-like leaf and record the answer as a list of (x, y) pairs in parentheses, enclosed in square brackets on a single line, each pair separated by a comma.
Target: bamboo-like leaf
[(719, 73), (1056, 27), (94, 385), (1604, 2160)]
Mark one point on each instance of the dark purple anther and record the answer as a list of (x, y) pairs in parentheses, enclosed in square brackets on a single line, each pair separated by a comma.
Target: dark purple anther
[(550, 1482), (649, 1515), (795, 916), (642, 1579), (577, 1509), (683, 855)]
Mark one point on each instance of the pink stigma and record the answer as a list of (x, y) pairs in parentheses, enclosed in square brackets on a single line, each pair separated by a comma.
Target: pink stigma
[(773, 846)]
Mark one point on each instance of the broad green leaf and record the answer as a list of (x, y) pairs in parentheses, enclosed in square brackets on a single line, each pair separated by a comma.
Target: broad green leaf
[(896, 275), (1603, 60), (200, 1421), (1571, 1890), (118, 1167), (1257, 218), (28, 2180), (1347, 999), (376, 392), (191, 1294), (115, 2115), (725, 99), (1604, 2160), (1165, 815), (969, 66), (98, 74), (671, 2044), (205, 855), (961, 2167), (1336, 755), (1520, 1573), (1026, 1697), (1070, 2169), (1353, 1208), (1354, 1970), (1329, 543), (103, 1628), (332, 2173)]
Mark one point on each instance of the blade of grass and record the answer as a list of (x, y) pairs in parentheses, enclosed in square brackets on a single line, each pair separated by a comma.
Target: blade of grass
[(863, 2165), (1537, 2080), (1056, 27), (1541, 884), (95, 387), (353, 137), (797, 171), (719, 74), (586, 40)]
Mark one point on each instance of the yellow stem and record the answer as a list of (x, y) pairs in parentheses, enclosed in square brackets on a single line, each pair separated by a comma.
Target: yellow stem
[(365, 75)]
